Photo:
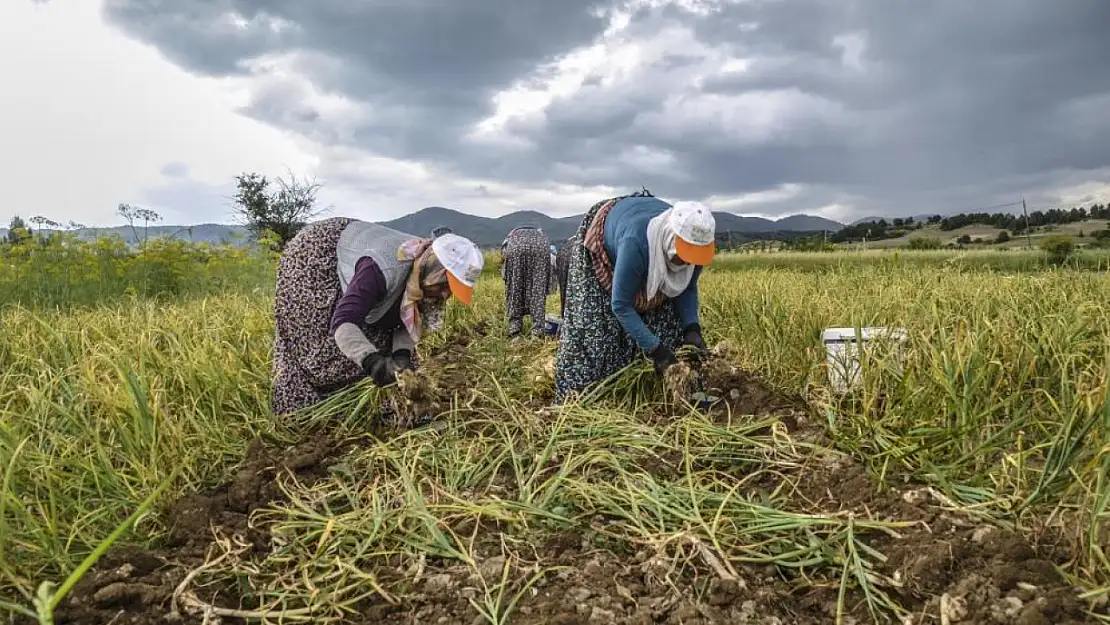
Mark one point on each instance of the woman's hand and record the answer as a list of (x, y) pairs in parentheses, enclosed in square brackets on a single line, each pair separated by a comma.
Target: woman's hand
[(693, 343), (379, 368), (663, 358), (402, 360)]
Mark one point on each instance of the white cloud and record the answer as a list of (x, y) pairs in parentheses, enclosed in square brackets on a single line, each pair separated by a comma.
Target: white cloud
[(102, 119), (90, 119)]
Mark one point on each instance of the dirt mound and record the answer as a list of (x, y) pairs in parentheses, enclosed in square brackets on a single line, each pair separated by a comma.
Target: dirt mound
[(985, 575), (133, 586), (744, 394), (580, 585), (943, 568), (943, 563)]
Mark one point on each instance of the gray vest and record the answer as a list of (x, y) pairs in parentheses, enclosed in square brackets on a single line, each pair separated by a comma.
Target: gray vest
[(380, 243)]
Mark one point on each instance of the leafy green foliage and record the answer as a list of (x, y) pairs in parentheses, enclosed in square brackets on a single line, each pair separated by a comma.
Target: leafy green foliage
[(62, 270), (18, 231), (282, 212), (1058, 248), (924, 243)]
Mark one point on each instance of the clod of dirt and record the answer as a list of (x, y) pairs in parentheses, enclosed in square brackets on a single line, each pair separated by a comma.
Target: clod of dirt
[(679, 381), (725, 350), (123, 592), (416, 398), (989, 578)]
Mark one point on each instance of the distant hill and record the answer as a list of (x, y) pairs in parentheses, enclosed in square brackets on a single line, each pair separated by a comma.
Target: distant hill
[(485, 231), (490, 231)]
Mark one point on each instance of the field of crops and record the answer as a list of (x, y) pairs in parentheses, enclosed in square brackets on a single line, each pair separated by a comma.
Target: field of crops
[(971, 484)]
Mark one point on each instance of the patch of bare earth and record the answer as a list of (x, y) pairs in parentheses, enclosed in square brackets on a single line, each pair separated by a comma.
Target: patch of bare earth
[(944, 568)]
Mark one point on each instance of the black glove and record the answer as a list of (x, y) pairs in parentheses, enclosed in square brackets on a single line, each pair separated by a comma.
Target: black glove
[(380, 368), (663, 358), (403, 359), (691, 339), (692, 336)]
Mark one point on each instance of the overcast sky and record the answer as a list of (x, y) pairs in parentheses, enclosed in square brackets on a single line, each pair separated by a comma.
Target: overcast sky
[(841, 108)]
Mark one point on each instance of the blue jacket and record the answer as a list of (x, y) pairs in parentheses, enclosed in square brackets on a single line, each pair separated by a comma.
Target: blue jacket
[(627, 247)]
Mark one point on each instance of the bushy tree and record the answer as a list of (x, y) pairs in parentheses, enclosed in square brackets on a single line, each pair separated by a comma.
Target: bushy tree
[(282, 211), (1002, 237), (18, 230), (1058, 248), (925, 243)]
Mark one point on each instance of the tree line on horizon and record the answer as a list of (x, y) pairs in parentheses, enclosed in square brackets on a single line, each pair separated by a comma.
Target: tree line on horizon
[(877, 230), (275, 210)]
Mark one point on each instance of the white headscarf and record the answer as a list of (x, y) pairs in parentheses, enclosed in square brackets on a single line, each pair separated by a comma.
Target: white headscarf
[(664, 275)]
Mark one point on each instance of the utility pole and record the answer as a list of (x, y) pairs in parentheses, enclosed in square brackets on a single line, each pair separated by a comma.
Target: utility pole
[(1028, 239)]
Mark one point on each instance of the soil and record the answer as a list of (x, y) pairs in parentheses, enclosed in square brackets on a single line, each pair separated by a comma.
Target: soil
[(134, 586), (939, 564)]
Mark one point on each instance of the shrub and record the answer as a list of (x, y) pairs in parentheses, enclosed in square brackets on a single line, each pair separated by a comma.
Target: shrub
[(1002, 237), (925, 243), (1058, 248), (63, 270)]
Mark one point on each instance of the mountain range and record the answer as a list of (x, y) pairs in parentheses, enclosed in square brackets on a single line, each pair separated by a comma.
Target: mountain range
[(490, 231), (485, 231)]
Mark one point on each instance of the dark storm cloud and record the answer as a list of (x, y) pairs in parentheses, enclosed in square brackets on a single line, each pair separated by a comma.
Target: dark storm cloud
[(431, 65), (896, 106), (951, 102)]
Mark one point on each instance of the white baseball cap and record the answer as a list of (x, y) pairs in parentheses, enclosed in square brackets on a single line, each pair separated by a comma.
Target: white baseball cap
[(695, 232), (463, 262)]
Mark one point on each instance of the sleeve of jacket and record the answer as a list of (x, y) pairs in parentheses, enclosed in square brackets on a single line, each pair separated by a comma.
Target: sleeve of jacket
[(367, 288), (628, 277)]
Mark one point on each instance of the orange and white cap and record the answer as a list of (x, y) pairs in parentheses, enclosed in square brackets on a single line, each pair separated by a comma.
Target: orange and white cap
[(695, 232), (463, 262)]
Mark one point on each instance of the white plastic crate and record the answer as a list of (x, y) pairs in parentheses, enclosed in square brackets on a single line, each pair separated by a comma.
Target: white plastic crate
[(843, 349)]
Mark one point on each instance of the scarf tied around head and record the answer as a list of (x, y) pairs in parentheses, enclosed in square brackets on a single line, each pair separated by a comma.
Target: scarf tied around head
[(665, 275), (427, 271), (665, 278)]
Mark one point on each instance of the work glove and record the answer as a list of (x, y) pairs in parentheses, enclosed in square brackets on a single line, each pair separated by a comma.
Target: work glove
[(380, 368), (663, 358), (693, 343), (402, 359)]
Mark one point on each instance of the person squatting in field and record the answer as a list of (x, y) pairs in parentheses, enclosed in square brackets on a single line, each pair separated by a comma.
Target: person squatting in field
[(527, 274), (632, 283), (353, 300)]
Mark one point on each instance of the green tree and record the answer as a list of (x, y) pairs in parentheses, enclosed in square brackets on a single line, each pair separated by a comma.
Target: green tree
[(282, 211), (1058, 248), (1002, 237), (18, 230), (924, 243)]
